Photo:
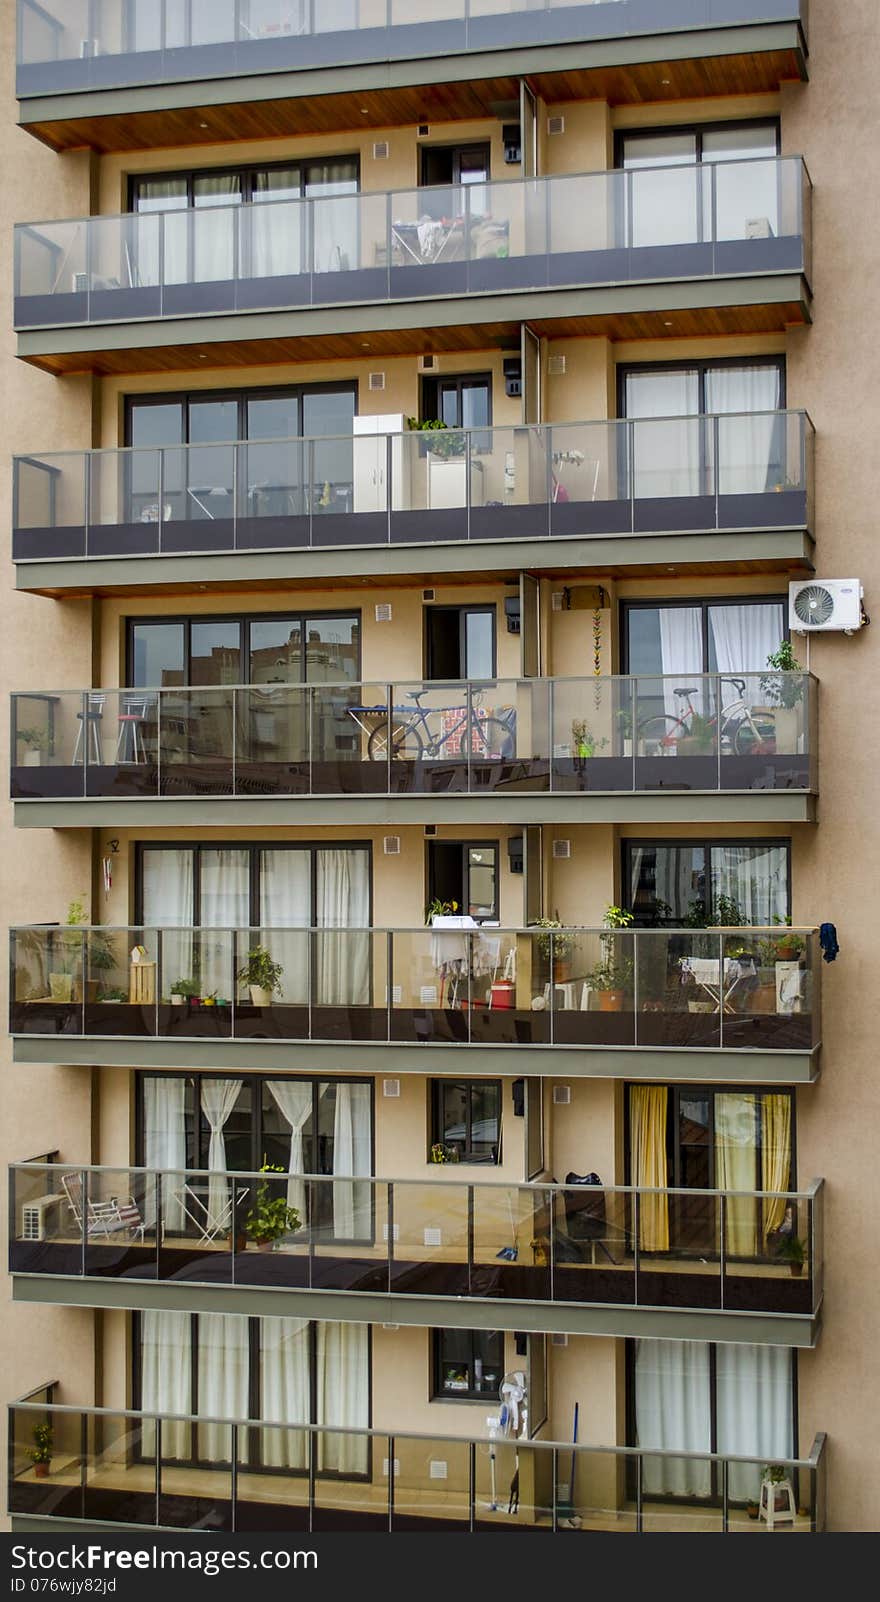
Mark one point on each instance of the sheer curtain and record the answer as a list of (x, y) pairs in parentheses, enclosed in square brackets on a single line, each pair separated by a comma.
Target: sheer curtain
[(165, 1146), (352, 1155), (343, 1383), (166, 1380), (294, 1101), (218, 1100), (285, 1391), (167, 899), (755, 878), (750, 447), (648, 1166), (214, 220), (736, 1169), (286, 904), (223, 1382), (276, 224), (332, 188), (673, 1414), (775, 1156), (755, 1412), (742, 638), (665, 433), (681, 653), (343, 960), (225, 904)]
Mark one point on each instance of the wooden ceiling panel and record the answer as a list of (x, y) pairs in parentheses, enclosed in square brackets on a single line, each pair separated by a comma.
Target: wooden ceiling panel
[(292, 117)]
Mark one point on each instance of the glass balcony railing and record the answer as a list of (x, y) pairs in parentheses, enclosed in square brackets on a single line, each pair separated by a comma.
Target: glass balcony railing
[(146, 1469), (716, 219), (67, 45), (741, 471), (439, 1237), (627, 735), (747, 989)]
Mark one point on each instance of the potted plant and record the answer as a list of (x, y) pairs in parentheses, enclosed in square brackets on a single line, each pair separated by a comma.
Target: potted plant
[(184, 990), (441, 1153), (442, 441), (777, 1476), (613, 976), (69, 948), (784, 692), (440, 909), (556, 947), (699, 739), (35, 742), (625, 725), (793, 1251), (270, 1218), (261, 975), (40, 1453), (584, 742)]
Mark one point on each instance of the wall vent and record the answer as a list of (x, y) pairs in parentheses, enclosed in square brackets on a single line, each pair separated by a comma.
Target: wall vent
[(557, 600), (427, 364), (558, 1340), (424, 130), (391, 845), (428, 595), (377, 380), (433, 1237), (383, 612), (430, 831), (555, 125), (391, 1088), (562, 1095), (556, 366), (381, 150), (562, 850), (437, 1469)]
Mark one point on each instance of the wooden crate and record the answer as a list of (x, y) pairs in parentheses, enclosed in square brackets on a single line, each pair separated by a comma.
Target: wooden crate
[(142, 982)]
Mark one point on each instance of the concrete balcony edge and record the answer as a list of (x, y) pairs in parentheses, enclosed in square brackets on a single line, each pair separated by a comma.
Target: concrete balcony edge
[(424, 1312)]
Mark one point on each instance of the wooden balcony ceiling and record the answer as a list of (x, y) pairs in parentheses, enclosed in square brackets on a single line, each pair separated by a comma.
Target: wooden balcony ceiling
[(240, 109)]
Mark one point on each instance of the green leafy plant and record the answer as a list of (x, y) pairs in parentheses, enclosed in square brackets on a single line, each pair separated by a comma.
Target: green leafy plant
[(41, 1451), (453, 444), (440, 909), (625, 722), (260, 971), (559, 946), (778, 688), (441, 1153), (727, 914), (775, 1473), (614, 971), (270, 1218), (584, 742), (699, 737), (190, 989), (38, 739), (793, 1250), (113, 995)]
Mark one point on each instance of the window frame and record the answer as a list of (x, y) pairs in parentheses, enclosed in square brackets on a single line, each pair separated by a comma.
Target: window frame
[(466, 846), (457, 148), (462, 612), (467, 1158), (245, 171), (673, 1126), (690, 602), (698, 129), (253, 847), (433, 383), (706, 843), (702, 365), (184, 398), (436, 1391), (244, 620)]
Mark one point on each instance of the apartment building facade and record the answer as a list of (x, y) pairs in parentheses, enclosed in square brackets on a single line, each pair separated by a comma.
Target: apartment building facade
[(421, 421)]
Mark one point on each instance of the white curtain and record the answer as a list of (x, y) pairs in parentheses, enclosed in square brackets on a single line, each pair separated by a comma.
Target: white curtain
[(335, 210), (214, 221), (343, 1382), (293, 1098), (743, 637), (750, 447), (755, 878), (351, 1156), (681, 654), (225, 905), (223, 1382), (286, 905), (665, 433), (273, 232), (218, 1099), (665, 204), (755, 1413), (343, 960), (736, 1139), (673, 1414), (285, 1391), (167, 895), (166, 1380), (165, 1146)]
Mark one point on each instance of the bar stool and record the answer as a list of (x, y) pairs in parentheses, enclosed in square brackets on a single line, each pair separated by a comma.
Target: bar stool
[(767, 1508), (90, 720), (130, 743)]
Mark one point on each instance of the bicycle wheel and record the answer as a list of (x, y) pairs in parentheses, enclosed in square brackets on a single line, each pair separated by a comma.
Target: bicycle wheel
[(664, 731), (750, 739), (404, 739), (496, 739)]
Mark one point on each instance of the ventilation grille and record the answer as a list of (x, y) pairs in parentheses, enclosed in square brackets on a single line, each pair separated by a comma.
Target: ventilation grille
[(381, 150), (391, 845), (377, 380), (562, 1095), (428, 595), (424, 130), (562, 850), (383, 612), (558, 1340), (556, 366), (391, 1089), (555, 125), (427, 364)]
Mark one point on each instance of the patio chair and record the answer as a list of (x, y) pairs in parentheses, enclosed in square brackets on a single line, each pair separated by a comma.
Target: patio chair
[(105, 1218)]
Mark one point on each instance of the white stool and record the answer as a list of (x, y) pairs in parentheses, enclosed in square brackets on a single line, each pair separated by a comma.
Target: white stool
[(567, 996), (767, 1509)]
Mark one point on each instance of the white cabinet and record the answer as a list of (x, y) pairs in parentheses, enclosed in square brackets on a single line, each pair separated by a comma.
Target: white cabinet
[(371, 463), (447, 482)]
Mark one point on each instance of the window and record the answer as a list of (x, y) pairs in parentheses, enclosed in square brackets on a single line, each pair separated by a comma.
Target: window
[(686, 883), (460, 642), (672, 207), (450, 167), (687, 638), (292, 648), (278, 1370), (466, 875), (468, 1364), (688, 1396), (461, 403), (466, 1119)]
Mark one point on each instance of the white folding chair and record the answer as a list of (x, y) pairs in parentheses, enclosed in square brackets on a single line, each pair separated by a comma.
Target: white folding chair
[(104, 1217)]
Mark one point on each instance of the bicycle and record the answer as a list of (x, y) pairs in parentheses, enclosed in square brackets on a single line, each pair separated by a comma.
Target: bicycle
[(407, 730), (739, 732)]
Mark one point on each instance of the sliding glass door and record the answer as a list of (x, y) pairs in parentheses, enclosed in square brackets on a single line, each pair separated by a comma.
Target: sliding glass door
[(675, 884), (669, 646), (676, 452), (675, 197)]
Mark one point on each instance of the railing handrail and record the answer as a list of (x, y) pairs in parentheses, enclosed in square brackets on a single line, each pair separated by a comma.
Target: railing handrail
[(37, 459), (404, 684), (492, 930), (410, 1435), (538, 1186), (264, 207)]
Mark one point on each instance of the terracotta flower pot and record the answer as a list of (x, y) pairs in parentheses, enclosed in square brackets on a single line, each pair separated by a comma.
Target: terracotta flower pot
[(41, 1471), (265, 1245), (237, 1243), (611, 1001), (561, 970), (795, 1270)]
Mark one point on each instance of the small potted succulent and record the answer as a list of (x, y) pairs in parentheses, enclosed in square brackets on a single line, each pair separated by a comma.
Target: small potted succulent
[(261, 975), (271, 1218), (40, 1453)]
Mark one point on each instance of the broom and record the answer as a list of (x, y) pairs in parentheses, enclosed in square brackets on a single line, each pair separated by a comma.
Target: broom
[(510, 1253), (565, 1512)]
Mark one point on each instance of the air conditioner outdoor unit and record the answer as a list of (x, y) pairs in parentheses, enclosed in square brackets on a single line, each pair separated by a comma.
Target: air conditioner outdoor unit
[(33, 1217), (80, 283), (825, 606)]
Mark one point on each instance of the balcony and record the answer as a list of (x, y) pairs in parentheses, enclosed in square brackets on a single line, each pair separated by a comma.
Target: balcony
[(592, 749), (666, 490), (591, 248), (100, 72), (131, 1469), (535, 1257), (646, 1004)]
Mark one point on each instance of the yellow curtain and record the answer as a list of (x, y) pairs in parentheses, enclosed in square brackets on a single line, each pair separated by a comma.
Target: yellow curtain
[(735, 1140), (775, 1156), (647, 1157)]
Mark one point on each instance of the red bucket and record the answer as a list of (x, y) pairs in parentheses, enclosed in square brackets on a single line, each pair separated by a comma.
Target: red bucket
[(502, 995)]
